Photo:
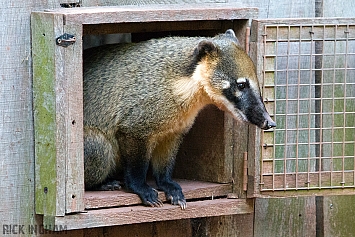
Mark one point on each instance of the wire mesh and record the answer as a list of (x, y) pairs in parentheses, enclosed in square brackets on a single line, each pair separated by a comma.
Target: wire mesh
[(309, 88)]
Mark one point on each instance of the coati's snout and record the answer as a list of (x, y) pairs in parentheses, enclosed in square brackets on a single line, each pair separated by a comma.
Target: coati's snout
[(247, 103), (269, 123)]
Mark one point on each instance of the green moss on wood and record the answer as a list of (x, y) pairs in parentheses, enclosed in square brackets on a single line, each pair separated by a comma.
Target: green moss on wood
[(44, 113)]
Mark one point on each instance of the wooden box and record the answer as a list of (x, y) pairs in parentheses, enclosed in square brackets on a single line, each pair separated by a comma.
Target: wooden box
[(210, 161)]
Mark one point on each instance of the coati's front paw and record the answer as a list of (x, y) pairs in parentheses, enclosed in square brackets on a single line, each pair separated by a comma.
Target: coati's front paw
[(176, 197), (149, 197), (173, 192)]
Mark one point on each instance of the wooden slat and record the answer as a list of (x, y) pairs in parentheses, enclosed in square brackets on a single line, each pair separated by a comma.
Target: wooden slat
[(304, 21), (141, 214), (292, 216), (191, 189), (254, 141), (338, 215), (154, 13), (74, 133), (50, 142)]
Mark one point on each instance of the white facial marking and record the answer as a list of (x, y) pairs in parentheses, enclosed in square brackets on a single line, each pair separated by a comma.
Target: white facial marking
[(241, 80), (225, 84)]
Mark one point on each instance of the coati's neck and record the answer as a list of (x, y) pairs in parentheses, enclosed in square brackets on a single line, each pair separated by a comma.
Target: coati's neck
[(190, 93), (190, 98)]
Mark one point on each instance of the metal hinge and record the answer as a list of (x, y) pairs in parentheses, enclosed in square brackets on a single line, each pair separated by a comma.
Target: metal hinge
[(245, 171), (65, 40)]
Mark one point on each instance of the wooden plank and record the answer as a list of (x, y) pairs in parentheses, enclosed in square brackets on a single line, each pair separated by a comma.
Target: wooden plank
[(292, 216), (17, 165), (191, 189), (74, 133), (254, 142), (181, 228), (220, 226), (172, 228), (100, 232), (285, 9), (338, 9), (338, 216), (39, 229), (49, 142), (232, 225), (304, 21), (240, 138), (154, 13), (141, 214)]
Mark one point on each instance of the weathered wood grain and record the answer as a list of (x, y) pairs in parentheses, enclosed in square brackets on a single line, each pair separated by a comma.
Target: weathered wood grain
[(50, 149), (157, 229), (141, 214), (74, 167), (291, 216), (191, 189), (58, 117), (233, 225), (154, 13), (338, 216)]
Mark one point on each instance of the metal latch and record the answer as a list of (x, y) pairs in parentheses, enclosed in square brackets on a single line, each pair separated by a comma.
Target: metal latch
[(65, 40)]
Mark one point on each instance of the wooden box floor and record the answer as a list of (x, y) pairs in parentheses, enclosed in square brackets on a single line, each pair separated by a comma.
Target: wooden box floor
[(107, 208)]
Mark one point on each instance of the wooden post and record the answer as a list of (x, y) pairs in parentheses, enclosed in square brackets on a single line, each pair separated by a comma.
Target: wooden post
[(57, 85)]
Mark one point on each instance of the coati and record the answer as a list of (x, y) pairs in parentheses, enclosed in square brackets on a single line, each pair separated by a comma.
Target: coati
[(141, 98)]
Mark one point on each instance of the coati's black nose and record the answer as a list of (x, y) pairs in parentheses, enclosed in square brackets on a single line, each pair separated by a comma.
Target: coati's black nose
[(269, 124)]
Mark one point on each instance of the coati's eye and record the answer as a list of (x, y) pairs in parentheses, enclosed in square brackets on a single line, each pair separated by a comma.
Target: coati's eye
[(241, 85)]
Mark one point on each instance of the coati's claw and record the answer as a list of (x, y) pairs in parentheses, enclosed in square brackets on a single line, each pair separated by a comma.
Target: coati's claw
[(177, 201), (150, 197), (157, 203), (182, 204)]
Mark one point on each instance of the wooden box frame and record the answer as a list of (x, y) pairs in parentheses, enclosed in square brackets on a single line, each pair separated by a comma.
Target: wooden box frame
[(58, 116)]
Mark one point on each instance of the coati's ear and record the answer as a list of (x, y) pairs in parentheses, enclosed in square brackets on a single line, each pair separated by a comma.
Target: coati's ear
[(230, 33), (204, 49)]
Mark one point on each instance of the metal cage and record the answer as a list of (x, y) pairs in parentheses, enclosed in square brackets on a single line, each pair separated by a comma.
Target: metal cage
[(308, 71)]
